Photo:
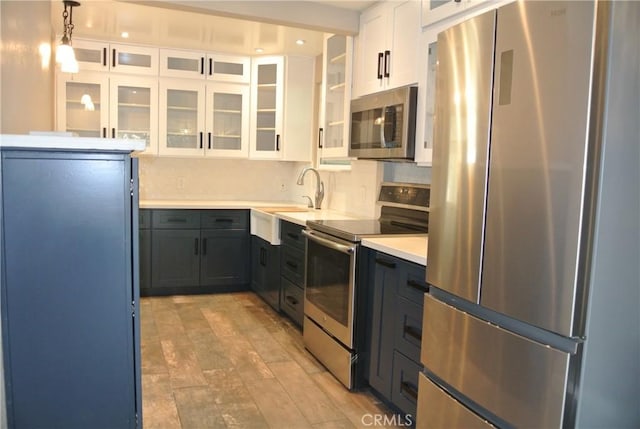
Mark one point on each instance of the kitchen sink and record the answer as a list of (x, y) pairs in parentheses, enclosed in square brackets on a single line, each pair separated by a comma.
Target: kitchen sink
[(266, 225)]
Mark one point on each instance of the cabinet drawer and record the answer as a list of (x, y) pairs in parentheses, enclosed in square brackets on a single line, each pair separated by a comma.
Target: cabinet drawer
[(292, 301), (224, 219), (144, 219), (404, 390), (291, 234), (408, 328), (412, 284), (292, 265), (176, 219)]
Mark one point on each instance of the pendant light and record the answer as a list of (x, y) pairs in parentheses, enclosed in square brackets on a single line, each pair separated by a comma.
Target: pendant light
[(64, 53)]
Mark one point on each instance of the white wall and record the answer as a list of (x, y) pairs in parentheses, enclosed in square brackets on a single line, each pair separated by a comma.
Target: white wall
[(26, 85), (26, 82)]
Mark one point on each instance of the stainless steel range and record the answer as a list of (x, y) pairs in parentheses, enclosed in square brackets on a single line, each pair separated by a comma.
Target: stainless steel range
[(335, 306)]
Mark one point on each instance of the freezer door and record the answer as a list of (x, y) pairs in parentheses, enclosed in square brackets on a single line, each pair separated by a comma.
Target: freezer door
[(438, 410), (538, 162), (461, 137), (520, 381)]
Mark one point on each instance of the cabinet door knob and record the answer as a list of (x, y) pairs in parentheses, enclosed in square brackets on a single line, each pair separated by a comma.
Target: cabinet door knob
[(320, 132), (201, 65), (277, 142), (380, 60)]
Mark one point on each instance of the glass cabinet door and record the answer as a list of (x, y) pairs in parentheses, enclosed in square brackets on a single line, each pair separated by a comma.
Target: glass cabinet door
[(181, 121), (334, 136), (134, 110), (82, 104), (227, 120), (176, 63), (266, 113)]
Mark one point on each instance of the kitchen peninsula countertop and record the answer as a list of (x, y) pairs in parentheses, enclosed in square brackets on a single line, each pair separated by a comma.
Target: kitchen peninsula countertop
[(412, 248), (62, 141)]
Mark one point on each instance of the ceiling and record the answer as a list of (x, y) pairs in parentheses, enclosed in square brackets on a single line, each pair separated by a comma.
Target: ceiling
[(199, 25)]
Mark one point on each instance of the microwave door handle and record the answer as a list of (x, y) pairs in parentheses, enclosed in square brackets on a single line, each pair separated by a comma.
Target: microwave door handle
[(392, 114)]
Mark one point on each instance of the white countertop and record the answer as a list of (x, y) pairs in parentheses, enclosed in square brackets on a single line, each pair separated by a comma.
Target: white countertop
[(211, 204), (410, 248), (65, 142)]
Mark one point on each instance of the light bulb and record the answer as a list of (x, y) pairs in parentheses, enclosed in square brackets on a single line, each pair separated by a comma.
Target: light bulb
[(64, 51)]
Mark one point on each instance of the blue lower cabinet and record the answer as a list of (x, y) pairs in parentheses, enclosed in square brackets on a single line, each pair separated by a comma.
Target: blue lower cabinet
[(198, 251), (292, 301), (70, 289), (404, 390), (396, 330), (265, 271)]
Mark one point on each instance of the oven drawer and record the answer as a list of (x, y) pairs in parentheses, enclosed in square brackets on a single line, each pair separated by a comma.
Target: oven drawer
[(437, 409), (292, 301), (291, 235), (408, 328), (292, 264), (404, 389)]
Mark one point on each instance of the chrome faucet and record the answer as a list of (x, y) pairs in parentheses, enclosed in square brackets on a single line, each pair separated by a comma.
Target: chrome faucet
[(319, 185)]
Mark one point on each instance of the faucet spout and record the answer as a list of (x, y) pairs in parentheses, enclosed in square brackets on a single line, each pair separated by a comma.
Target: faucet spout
[(319, 196)]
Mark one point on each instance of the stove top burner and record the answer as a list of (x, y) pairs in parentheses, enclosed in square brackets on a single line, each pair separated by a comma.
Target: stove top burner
[(404, 210), (355, 229)]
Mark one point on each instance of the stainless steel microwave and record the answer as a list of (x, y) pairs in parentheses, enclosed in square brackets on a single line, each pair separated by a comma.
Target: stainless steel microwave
[(383, 125)]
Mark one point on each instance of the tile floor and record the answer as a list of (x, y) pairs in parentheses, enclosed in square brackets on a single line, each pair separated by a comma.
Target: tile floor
[(230, 361)]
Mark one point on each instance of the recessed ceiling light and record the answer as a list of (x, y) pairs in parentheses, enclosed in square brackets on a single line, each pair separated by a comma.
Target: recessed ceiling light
[(259, 50), (300, 42), (124, 35)]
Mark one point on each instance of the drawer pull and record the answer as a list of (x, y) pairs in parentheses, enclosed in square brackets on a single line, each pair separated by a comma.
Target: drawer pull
[(293, 236), (386, 263), (291, 300), (177, 220), (292, 265), (413, 332), (419, 286), (227, 220), (409, 389)]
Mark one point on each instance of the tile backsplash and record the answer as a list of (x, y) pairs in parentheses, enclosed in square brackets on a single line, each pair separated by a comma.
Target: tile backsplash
[(164, 178)]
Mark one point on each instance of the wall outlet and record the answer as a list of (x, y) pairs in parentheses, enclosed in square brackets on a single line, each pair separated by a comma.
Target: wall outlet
[(283, 187)]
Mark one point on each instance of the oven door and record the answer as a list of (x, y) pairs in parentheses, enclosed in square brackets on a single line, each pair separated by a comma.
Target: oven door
[(329, 284)]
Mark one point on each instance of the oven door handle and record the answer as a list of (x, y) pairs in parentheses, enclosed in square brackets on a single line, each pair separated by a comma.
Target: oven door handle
[(329, 243)]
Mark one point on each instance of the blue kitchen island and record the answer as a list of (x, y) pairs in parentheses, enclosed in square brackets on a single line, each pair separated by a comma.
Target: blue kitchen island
[(70, 293)]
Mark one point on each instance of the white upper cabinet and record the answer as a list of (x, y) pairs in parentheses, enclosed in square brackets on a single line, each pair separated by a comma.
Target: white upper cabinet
[(333, 135), (387, 46), (282, 108), (114, 57), (203, 119), (99, 105), (200, 65), (227, 120), (182, 117), (446, 13)]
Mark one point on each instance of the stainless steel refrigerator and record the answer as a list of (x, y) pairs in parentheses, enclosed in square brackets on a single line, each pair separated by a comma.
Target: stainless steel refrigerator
[(532, 319)]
